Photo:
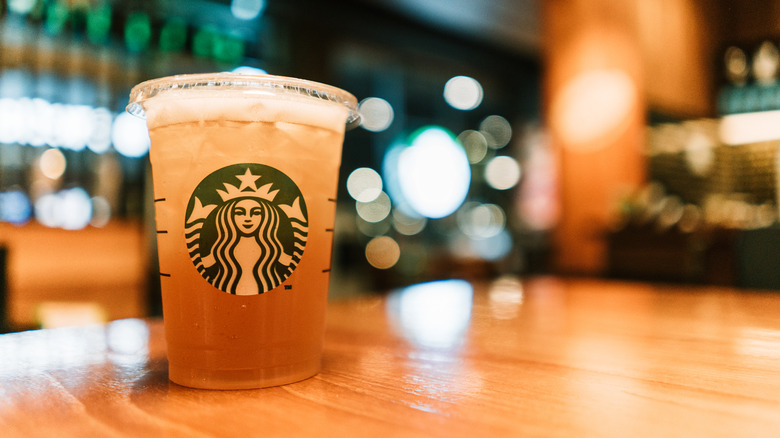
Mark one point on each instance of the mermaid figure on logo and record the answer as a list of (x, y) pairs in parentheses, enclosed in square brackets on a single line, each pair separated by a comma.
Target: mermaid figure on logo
[(254, 244)]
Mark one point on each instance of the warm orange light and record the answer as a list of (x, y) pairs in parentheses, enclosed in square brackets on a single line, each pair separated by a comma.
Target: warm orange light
[(594, 106), (383, 252)]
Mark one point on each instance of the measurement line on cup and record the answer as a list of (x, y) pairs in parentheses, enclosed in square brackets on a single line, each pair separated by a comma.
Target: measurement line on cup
[(329, 230), (159, 200), (164, 275), (162, 231)]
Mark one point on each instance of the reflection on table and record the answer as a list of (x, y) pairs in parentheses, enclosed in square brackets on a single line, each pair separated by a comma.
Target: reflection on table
[(513, 357)]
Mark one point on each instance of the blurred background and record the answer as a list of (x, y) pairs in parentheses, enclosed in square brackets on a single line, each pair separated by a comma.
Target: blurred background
[(625, 139)]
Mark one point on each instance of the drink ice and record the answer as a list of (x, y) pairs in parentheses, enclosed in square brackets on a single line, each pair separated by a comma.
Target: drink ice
[(245, 173)]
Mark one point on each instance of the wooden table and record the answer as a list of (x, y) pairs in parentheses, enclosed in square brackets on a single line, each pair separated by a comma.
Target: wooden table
[(539, 357)]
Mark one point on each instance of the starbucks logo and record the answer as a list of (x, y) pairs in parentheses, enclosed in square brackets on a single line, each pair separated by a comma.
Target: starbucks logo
[(246, 228)]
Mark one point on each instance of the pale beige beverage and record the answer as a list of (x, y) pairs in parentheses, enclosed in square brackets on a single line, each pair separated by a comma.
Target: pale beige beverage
[(245, 172)]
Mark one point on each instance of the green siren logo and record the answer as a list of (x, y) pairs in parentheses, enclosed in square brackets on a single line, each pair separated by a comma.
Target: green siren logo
[(245, 239)]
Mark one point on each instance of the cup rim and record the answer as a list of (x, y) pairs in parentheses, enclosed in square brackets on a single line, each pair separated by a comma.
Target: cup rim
[(278, 85)]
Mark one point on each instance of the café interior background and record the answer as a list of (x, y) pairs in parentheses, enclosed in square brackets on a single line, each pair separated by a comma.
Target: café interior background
[(626, 139)]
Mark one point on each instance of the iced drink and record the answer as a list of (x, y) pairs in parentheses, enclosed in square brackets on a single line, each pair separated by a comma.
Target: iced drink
[(245, 172)]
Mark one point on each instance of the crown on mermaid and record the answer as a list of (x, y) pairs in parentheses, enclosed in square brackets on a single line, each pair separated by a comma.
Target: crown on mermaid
[(247, 189)]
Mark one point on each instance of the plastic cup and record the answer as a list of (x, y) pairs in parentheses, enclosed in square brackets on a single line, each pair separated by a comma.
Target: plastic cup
[(245, 171)]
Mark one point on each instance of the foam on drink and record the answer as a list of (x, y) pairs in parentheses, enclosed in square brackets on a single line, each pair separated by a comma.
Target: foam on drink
[(179, 107)]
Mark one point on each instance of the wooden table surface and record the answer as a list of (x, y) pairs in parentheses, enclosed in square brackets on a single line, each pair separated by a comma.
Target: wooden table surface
[(538, 357)]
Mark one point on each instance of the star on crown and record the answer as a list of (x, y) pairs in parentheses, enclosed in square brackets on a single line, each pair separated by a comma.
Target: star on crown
[(248, 188)]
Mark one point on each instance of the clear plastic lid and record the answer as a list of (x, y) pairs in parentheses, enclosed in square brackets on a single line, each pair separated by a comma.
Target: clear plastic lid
[(254, 85)]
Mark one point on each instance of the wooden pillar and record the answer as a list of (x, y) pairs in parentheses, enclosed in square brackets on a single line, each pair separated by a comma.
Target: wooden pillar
[(594, 103)]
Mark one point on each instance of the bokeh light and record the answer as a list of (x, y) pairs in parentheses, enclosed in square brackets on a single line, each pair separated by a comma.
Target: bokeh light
[(376, 114), (538, 194), (494, 247), (392, 182), (70, 209), (505, 296), (434, 173), (408, 225), (56, 17), (247, 70), (12, 121), (383, 252), (699, 152), (52, 163), (613, 92), (15, 207), (475, 144), (247, 9), (435, 314), (765, 63), (38, 122), (75, 208), (203, 41), (737, 68), (481, 221), (15, 83), (691, 218), (502, 172), (128, 340), (372, 229), (21, 7), (101, 212), (73, 125), (463, 93), (496, 130), (671, 212), (130, 136), (364, 184), (376, 210), (41, 118), (173, 35), (745, 128), (99, 140), (138, 32)]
